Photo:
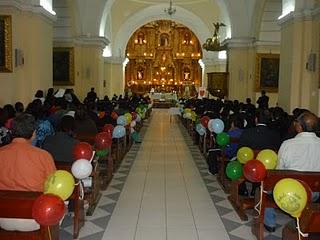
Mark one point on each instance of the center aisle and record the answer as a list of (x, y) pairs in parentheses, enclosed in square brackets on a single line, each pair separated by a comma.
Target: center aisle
[(164, 196)]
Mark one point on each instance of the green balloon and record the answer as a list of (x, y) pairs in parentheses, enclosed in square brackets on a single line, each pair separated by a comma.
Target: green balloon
[(102, 153), (135, 136), (223, 139), (234, 170)]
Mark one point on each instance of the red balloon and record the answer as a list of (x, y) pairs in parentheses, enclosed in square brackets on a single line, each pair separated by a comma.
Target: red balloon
[(82, 150), (103, 140), (254, 171), (204, 121), (108, 128), (134, 115), (114, 115), (48, 209)]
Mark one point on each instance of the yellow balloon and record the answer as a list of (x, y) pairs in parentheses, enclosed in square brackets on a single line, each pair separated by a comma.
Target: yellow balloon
[(291, 196), (128, 117), (60, 183), (245, 154), (269, 158), (187, 110), (193, 116)]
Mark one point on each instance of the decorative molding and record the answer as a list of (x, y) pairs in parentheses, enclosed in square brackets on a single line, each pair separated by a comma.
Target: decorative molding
[(114, 60), (36, 9), (100, 42), (239, 42), (305, 15)]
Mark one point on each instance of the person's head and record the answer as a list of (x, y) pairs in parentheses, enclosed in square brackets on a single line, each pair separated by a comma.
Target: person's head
[(39, 94), (67, 124), (23, 126), (307, 122), (81, 113), (263, 92), (19, 107), (9, 109), (236, 121), (248, 100), (263, 116), (92, 89), (50, 92), (3, 117)]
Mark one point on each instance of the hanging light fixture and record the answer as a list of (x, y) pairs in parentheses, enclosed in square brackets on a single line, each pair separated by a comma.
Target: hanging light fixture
[(213, 44), (170, 10)]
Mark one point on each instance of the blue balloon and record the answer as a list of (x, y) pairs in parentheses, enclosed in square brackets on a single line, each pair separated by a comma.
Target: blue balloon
[(200, 129), (119, 132), (121, 120), (217, 125)]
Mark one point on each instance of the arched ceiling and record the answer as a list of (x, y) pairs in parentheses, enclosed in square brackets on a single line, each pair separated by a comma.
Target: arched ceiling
[(117, 20)]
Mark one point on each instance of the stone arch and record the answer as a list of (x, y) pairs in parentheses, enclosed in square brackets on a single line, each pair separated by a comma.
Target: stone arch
[(153, 13), (223, 7)]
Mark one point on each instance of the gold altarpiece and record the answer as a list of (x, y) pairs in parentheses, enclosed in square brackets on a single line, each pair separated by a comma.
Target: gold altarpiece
[(163, 57)]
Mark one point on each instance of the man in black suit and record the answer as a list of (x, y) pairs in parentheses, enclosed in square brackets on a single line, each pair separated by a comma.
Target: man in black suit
[(260, 136), (263, 100)]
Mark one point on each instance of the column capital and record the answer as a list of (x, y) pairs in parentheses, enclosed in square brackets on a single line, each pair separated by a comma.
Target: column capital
[(243, 42), (95, 41), (28, 6), (114, 60)]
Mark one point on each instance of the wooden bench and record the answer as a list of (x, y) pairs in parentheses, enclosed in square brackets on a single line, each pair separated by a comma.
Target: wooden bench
[(78, 203), (309, 223), (18, 204), (312, 179), (223, 161), (241, 203)]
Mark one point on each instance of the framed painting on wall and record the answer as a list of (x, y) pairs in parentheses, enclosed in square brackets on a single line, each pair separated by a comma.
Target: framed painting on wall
[(267, 72), (5, 43), (63, 66)]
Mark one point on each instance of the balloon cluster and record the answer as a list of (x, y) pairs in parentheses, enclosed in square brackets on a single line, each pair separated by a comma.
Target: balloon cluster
[(49, 208), (254, 170)]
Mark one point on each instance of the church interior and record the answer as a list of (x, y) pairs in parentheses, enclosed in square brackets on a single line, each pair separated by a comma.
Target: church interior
[(161, 72)]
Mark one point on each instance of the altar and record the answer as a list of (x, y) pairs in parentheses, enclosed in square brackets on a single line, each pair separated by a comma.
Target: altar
[(163, 100)]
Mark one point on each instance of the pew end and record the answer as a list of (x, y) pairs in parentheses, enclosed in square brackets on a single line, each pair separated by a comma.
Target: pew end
[(18, 204)]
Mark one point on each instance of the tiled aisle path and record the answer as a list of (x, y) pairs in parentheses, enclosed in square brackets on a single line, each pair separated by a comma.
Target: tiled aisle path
[(163, 191), (164, 196)]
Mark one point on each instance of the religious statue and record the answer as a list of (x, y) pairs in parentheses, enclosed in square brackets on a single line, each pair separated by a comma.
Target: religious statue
[(213, 44)]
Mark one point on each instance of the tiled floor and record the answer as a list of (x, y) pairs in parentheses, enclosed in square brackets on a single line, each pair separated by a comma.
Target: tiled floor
[(162, 192)]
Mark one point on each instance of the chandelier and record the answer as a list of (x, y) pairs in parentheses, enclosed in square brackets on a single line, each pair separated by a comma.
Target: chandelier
[(170, 10), (213, 44)]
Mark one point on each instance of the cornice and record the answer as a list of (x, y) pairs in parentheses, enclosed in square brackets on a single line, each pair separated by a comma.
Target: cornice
[(100, 42), (25, 7), (114, 60), (245, 42)]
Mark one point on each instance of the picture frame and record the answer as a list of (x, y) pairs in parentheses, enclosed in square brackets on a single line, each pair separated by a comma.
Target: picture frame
[(267, 72), (63, 66), (6, 43)]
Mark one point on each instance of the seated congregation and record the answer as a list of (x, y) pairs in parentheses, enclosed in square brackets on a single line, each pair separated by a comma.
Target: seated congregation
[(57, 154), (264, 159)]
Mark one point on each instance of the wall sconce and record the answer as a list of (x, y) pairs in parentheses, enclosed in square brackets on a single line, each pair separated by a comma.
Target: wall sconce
[(19, 57)]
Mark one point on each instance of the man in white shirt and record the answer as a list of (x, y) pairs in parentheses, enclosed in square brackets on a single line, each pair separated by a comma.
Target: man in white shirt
[(301, 153)]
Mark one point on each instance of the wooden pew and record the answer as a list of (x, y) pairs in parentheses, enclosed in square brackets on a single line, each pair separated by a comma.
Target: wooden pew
[(309, 223), (223, 161), (78, 219), (92, 194), (312, 179), (241, 203), (18, 204)]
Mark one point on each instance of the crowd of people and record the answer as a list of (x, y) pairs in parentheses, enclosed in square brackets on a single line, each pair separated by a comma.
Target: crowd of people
[(33, 137), (294, 136), (50, 123)]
